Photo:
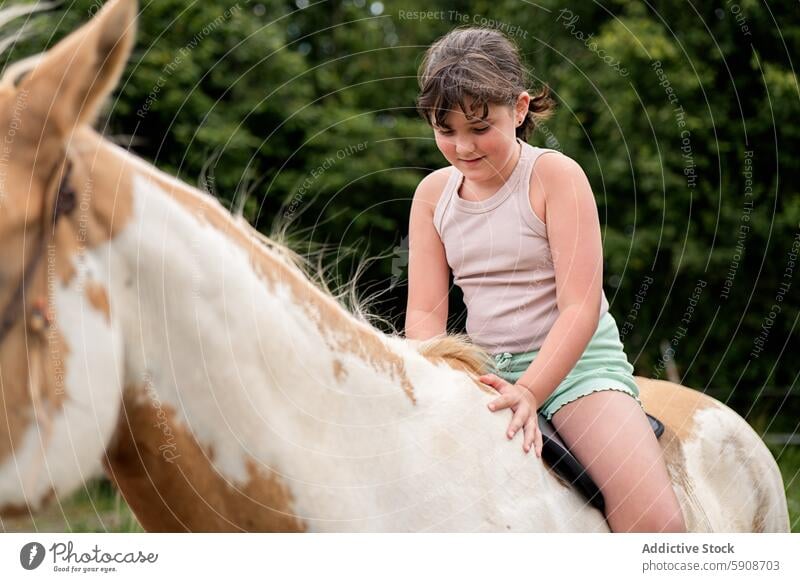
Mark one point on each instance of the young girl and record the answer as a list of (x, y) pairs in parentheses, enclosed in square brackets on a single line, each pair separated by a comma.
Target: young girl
[(519, 228)]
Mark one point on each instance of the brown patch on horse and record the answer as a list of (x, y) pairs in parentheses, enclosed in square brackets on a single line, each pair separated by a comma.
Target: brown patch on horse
[(675, 460), (104, 190), (55, 351), (16, 406), (676, 406), (338, 328), (673, 404), (32, 375), (169, 482), (25, 511), (338, 370), (98, 298)]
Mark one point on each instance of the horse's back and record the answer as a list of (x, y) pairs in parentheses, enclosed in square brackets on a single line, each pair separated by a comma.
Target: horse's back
[(724, 475)]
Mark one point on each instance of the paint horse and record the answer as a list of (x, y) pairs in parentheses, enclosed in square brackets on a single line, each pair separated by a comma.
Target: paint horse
[(148, 333)]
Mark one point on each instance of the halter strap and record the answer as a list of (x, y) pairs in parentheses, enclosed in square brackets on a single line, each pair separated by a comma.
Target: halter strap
[(63, 204)]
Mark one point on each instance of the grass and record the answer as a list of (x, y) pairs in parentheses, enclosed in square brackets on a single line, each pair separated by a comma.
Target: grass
[(100, 508), (789, 462)]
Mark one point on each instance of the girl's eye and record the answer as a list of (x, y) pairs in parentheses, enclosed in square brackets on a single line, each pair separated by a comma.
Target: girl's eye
[(481, 129)]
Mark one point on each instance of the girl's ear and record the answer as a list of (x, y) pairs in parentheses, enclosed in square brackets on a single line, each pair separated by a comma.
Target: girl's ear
[(70, 82), (521, 108)]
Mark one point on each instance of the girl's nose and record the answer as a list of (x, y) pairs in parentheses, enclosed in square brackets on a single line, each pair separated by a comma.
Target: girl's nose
[(464, 147)]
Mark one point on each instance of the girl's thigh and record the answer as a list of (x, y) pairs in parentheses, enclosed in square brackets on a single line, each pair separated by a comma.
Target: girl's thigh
[(610, 435)]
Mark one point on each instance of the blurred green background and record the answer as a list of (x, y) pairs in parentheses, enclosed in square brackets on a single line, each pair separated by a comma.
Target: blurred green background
[(683, 115)]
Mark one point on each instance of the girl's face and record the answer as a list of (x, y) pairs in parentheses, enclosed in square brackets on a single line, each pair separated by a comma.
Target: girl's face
[(482, 149)]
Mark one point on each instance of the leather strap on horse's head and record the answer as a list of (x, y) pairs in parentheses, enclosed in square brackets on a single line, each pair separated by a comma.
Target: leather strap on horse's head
[(64, 203)]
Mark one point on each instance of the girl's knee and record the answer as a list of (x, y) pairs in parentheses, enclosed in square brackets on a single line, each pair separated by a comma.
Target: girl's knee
[(661, 520), (666, 522)]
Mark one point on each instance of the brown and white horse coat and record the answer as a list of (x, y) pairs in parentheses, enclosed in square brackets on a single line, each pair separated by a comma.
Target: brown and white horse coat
[(222, 390)]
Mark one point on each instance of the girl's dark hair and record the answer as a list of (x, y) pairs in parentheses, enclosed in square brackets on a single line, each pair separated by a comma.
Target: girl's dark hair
[(480, 63)]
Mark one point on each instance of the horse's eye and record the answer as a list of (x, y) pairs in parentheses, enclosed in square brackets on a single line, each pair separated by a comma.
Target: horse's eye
[(65, 203)]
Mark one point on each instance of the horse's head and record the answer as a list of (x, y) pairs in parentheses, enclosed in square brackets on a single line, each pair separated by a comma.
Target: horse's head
[(60, 353)]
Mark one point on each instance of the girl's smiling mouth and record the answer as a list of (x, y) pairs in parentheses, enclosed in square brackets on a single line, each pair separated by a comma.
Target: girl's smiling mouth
[(472, 161)]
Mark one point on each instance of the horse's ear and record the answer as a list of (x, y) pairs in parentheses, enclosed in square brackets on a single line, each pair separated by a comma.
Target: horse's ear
[(71, 81)]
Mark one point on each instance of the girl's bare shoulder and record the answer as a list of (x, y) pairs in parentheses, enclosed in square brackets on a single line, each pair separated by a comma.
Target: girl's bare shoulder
[(432, 186), (556, 167)]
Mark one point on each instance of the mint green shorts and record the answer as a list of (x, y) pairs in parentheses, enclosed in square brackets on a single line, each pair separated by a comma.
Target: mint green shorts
[(602, 366)]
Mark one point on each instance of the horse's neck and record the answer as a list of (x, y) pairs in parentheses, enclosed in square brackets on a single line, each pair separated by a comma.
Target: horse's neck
[(236, 340)]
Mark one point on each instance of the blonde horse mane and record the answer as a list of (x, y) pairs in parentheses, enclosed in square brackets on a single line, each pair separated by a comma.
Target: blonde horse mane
[(455, 350)]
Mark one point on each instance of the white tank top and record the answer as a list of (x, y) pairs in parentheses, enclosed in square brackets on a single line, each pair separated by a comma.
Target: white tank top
[(500, 257)]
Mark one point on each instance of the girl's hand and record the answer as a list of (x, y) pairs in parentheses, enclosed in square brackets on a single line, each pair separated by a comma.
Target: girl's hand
[(523, 403)]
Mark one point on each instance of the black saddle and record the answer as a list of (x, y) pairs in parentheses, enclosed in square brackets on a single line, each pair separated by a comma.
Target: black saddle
[(556, 454)]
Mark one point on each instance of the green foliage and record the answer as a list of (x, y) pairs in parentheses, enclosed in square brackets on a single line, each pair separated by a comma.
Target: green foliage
[(788, 459)]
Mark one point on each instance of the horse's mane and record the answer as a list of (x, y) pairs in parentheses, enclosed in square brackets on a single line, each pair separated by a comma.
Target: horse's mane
[(456, 350)]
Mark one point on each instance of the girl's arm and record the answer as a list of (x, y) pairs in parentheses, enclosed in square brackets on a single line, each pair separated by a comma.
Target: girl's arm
[(428, 272), (573, 229)]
